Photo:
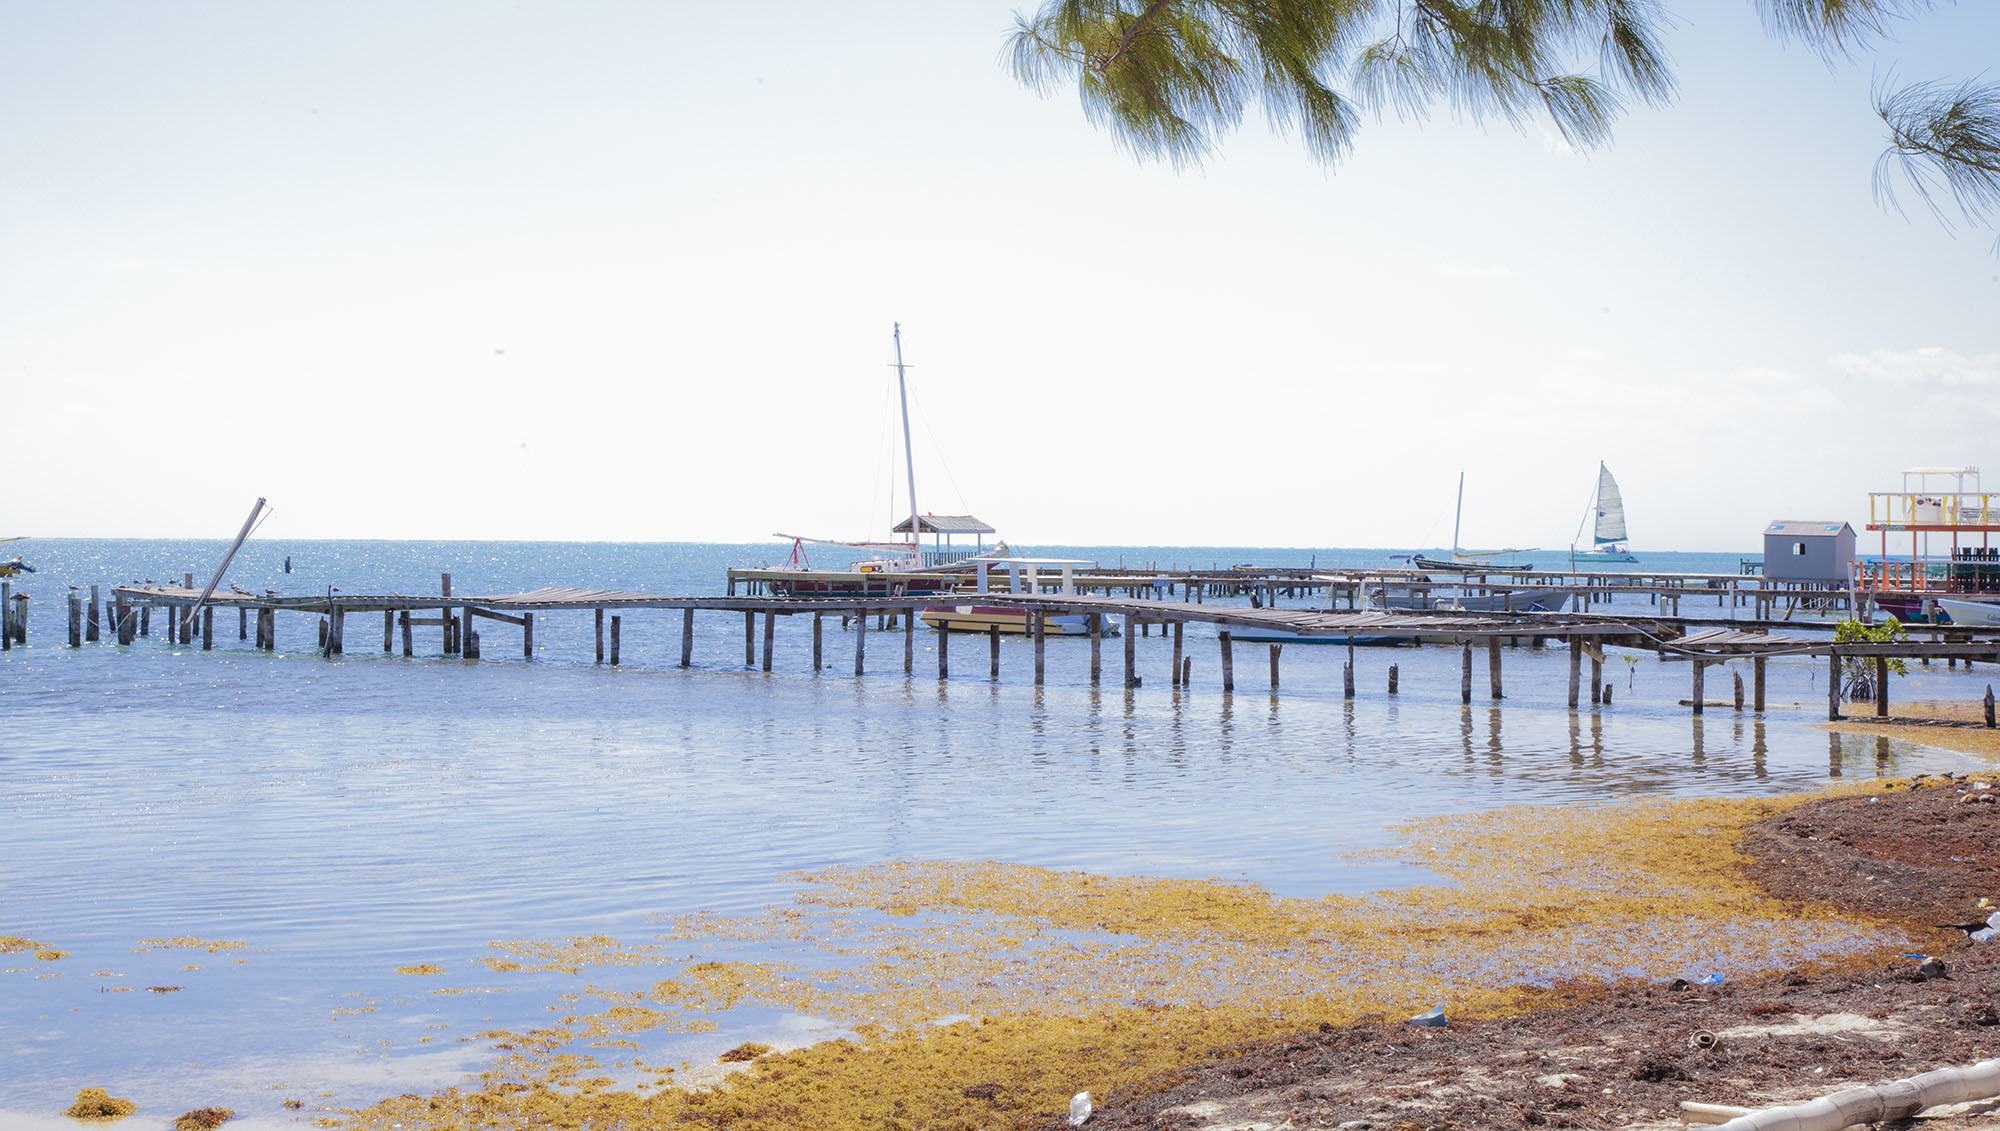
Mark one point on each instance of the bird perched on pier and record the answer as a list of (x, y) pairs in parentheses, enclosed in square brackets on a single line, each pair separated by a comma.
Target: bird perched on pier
[(76, 588), (270, 592), (238, 589)]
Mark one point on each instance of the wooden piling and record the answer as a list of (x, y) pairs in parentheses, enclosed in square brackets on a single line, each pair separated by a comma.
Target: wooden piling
[(1575, 670), (597, 616), (860, 640), (819, 638), (1131, 652), (1392, 679), (91, 630), (1598, 694), (1228, 661), (1988, 704), (1833, 687), (1094, 626), (409, 640), (527, 636), (687, 635), (1176, 673), (1737, 677), (208, 628), (1465, 673), (770, 628), (1757, 684), (993, 654), (910, 644), (1493, 665), (944, 653), (1038, 630), (749, 639), (242, 623), (1881, 687), (123, 622), (466, 647), (388, 631), (616, 624), (75, 621), (1700, 668)]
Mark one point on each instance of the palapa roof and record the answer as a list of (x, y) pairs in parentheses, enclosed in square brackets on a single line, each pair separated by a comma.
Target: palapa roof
[(945, 524)]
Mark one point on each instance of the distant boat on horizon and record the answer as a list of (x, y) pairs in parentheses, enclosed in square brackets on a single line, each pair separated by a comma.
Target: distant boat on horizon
[(1463, 560), (1608, 539)]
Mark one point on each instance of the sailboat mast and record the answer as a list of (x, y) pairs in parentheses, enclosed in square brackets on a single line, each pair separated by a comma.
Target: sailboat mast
[(1457, 513), (909, 459)]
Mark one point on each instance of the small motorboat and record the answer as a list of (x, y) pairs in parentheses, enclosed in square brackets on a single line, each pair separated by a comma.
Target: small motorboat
[(1980, 613)]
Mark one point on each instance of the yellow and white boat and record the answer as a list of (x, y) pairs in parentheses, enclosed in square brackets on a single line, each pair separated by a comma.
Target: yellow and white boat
[(16, 566)]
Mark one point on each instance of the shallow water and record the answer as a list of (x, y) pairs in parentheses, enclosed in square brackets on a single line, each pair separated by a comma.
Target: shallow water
[(343, 818)]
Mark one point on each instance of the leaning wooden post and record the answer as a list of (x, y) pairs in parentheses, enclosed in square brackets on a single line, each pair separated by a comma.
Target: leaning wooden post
[(1881, 687), (749, 639), (1757, 684), (860, 640), (993, 653), (616, 623), (944, 653), (91, 631), (1738, 678), (819, 637), (1575, 670), (1039, 627), (1131, 653), (1833, 687), (1493, 665), (1699, 669), (1988, 704), (770, 627), (208, 628), (910, 643), (687, 635), (1465, 673), (1228, 653), (598, 617), (1177, 653), (1094, 625)]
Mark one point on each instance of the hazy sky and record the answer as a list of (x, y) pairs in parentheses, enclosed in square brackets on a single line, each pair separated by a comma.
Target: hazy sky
[(628, 270)]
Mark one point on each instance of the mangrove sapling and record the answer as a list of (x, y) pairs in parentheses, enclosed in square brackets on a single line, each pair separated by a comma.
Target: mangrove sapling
[(1857, 673)]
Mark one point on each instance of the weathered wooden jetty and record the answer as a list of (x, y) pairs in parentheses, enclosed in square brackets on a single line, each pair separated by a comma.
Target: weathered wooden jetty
[(458, 619)]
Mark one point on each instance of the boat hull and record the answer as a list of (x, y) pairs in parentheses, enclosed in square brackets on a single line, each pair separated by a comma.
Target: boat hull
[(1538, 600), (1010, 620), (1439, 564), (858, 585), (1605, 556), (1244, 634), (1981, 613)]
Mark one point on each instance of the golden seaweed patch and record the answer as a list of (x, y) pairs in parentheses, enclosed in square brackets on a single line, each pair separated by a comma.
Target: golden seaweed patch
[(15, 944), (51, 955), (1026, 985), (187, 942), (98, 1104), (421, 969)]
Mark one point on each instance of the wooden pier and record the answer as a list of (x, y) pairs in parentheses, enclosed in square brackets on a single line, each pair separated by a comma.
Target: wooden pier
[(457, 621)]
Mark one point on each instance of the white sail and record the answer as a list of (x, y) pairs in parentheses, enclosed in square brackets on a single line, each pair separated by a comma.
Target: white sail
[(1610, 509)]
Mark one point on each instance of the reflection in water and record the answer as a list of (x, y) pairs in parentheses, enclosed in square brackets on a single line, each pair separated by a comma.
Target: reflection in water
[(1833, 754), (1882, 752), (1698, 733), (1759, 749)]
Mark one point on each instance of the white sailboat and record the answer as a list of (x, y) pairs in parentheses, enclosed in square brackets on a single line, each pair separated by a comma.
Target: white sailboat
[(1608, 538)]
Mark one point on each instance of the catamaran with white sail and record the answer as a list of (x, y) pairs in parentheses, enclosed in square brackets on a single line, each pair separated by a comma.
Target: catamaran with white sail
[(1608, 537)]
